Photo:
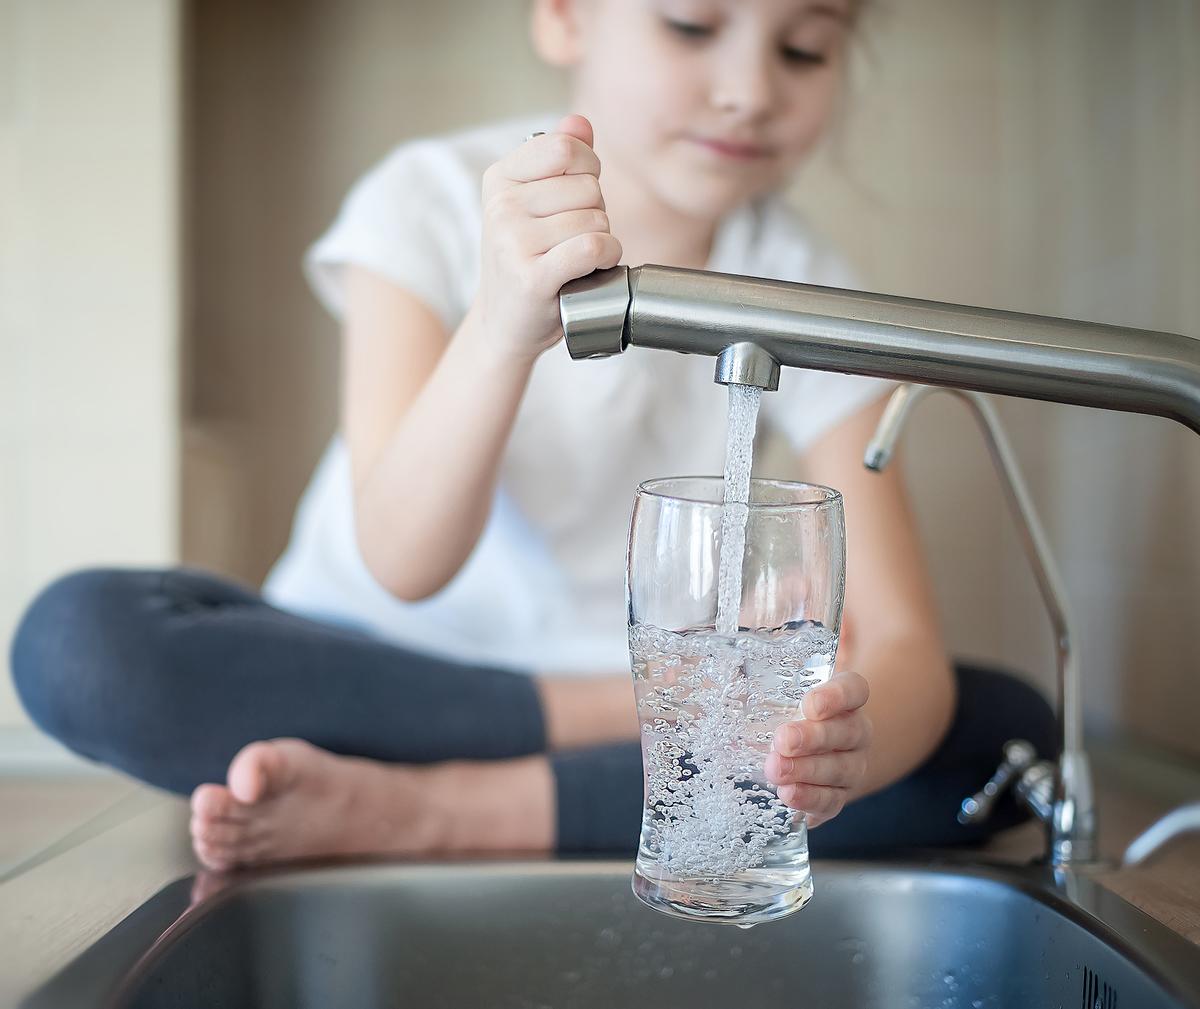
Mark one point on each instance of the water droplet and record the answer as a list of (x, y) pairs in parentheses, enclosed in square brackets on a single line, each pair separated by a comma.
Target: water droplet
[(857, 958), (977, 1004), (665, 972)]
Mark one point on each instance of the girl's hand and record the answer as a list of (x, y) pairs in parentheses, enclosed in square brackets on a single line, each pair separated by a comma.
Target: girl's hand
[(543, 224), (819, 763)]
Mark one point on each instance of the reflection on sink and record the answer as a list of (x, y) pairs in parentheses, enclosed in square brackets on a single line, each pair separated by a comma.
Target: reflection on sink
[(571, 934)]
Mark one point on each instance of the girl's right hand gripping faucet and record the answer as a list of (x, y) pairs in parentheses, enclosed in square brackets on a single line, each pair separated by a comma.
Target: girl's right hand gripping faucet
[(544, 223)]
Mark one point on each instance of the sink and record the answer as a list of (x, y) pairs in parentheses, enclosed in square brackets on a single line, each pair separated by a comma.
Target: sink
[(563, 934)]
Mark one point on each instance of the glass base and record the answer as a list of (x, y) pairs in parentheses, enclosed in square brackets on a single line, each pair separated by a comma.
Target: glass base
[(745, 899)]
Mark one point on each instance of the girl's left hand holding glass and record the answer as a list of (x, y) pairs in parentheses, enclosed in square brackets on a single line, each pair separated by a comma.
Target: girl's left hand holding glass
[(820, 762)]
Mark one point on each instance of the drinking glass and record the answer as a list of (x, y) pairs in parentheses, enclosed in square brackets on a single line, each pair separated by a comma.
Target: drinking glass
[(717, 844)]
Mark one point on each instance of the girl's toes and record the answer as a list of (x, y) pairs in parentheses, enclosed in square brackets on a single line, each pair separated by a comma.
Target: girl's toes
[(222, 844), (216, 802), (263, 769), (212, 857), (218, 834)]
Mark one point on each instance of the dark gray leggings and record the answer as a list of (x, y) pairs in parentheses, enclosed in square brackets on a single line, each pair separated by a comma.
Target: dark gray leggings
[(165, 675)]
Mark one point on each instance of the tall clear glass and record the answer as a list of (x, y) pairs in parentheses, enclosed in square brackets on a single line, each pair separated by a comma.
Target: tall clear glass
[(717, 844)]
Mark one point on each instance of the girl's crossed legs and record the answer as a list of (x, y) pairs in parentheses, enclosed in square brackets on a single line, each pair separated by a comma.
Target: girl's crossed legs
[(330, 741)]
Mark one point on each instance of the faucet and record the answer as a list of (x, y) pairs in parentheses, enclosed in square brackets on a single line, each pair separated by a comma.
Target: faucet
[(1060, 797), (753, 326), (1184, 820)]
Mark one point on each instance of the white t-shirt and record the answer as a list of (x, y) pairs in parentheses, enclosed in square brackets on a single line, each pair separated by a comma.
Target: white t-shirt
[(544, 587)]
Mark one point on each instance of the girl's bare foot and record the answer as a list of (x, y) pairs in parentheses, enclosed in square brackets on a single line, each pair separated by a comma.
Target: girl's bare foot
[(287, 799)]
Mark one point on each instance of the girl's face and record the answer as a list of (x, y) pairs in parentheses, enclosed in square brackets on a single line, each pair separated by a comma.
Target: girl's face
[(707, 103)]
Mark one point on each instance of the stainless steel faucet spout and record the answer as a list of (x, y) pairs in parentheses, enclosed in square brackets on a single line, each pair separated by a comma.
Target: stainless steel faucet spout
[(927, 342)]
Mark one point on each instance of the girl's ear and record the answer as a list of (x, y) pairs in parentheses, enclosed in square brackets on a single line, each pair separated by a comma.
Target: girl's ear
[(556, 31)]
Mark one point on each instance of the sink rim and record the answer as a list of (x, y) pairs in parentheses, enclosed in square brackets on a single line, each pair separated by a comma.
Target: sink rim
[(119, 960)]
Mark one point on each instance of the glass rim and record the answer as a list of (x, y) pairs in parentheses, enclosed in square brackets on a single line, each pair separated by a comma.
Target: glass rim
[(829, 496)]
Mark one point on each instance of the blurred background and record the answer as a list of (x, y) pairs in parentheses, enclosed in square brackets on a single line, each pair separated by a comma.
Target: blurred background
[(167, 381)]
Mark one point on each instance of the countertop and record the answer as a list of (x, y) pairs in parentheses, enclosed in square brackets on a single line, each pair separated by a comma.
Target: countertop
[(88, 862)]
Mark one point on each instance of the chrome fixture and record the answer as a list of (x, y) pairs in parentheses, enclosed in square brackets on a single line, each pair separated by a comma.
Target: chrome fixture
[(1184, 820), (1060, 796), (801, 325)]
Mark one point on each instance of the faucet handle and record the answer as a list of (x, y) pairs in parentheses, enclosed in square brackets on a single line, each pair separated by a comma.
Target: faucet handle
[(595, 313), (1018, 756)]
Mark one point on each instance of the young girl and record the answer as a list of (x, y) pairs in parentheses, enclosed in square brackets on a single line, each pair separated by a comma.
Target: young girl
[(444, 664)]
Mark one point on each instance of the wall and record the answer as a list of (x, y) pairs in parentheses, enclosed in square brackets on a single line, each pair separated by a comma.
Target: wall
[(1031, 156), (289, 104), (88, 292), (1044, 158)]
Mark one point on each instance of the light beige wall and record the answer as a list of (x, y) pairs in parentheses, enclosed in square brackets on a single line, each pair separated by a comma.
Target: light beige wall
[(1025, 155), (1044, 158), (88, 284), (288, 105)]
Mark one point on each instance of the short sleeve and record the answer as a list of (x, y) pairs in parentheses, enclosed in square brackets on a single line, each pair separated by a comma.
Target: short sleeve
[(810, 403), (406, 221)]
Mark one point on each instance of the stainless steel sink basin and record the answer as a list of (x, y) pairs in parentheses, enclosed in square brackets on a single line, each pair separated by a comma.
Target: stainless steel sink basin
[(571, 934)]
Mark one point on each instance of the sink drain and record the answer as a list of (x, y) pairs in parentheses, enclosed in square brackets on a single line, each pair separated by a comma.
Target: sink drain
[(1097, 994)]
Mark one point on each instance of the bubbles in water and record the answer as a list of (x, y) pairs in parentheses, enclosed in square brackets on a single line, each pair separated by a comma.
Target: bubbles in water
[(709, 810), (665, 972)]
